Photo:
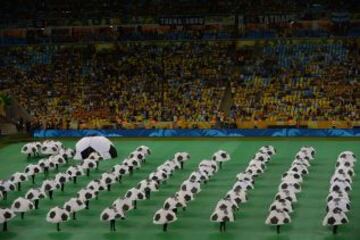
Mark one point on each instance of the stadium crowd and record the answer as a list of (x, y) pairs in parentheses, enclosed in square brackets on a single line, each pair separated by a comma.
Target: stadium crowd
[(185, 83), (131, 83), (299, 81)]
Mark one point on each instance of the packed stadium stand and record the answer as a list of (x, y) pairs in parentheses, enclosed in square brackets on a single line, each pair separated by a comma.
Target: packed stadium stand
[(185, 82), (304, 81), (229, 64)]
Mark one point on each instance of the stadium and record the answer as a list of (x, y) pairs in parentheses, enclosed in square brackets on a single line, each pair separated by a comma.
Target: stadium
[(200, 119)]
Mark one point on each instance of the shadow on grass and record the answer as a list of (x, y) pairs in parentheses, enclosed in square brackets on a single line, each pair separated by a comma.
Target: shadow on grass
[(115, 235), (59, 235), (7, 235)]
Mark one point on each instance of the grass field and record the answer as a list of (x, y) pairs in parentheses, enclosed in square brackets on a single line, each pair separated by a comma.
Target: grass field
[(194, 223)]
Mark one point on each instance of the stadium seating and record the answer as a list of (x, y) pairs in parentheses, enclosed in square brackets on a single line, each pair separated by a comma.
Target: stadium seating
[(298, 82), (184, 84)]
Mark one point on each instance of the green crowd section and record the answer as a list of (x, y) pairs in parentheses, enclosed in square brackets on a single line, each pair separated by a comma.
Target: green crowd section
[(193, 223)]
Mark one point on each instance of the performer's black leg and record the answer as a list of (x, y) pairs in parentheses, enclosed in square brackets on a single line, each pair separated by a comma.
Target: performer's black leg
[(51, 194), (74, 215), (182, 165), (19, 186), (58, 227), (22, 215), (87, 204), (88, 172), (224, 226), (62, 187), (175, 210), (33, 179), (278, 229), (46, 172), (112, 225), (135, 204), (165, 227), (74, 179), (119, 179), (36, 203), (5, 227), (147, 193), (335, 227), (109, 187)]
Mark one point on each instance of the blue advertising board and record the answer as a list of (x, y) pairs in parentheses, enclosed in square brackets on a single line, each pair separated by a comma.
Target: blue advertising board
[(281, 132)]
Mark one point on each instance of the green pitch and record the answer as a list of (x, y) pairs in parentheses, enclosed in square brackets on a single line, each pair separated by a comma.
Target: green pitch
[(194, 224)]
